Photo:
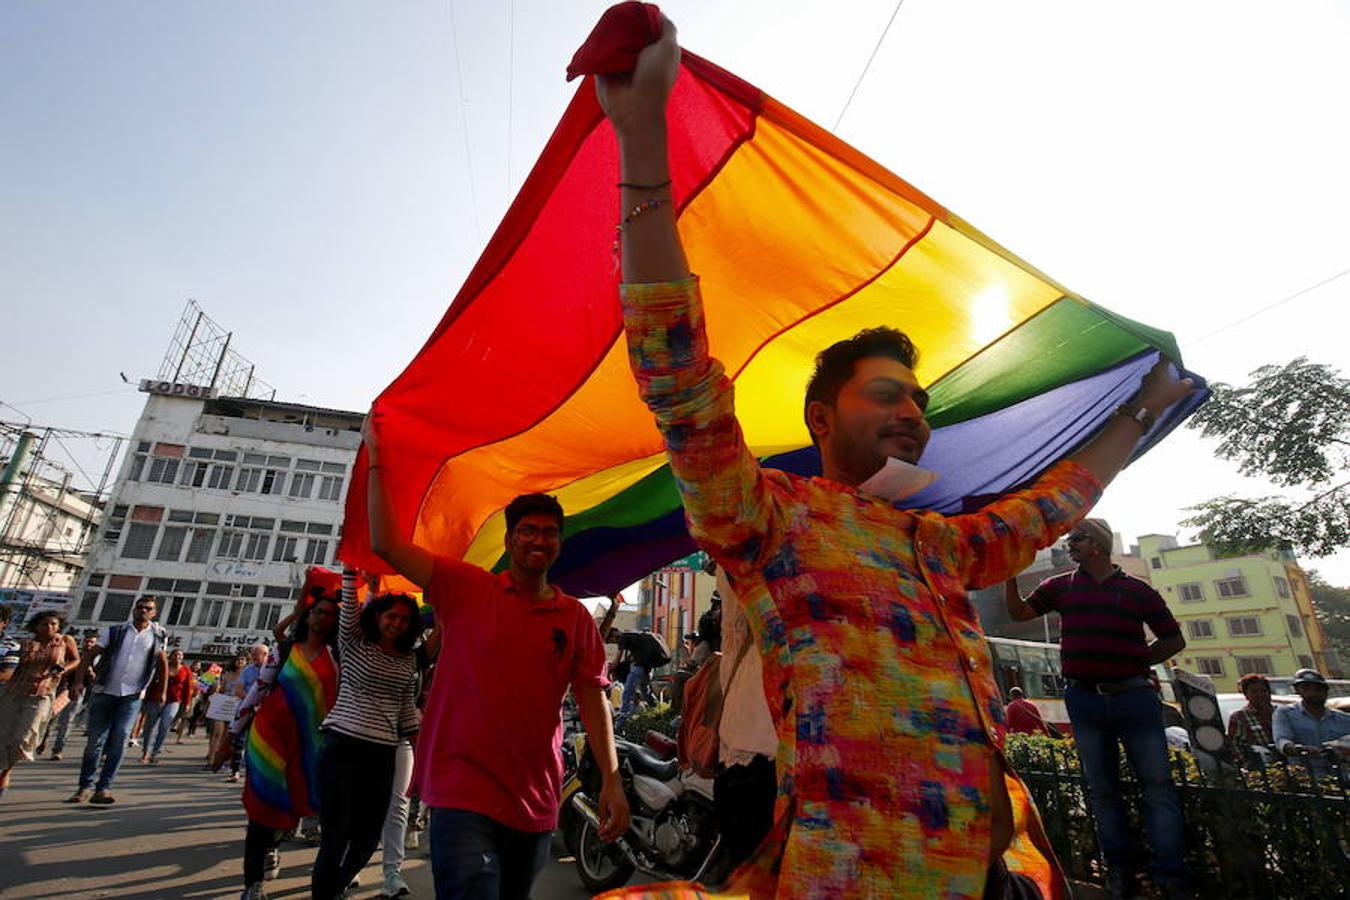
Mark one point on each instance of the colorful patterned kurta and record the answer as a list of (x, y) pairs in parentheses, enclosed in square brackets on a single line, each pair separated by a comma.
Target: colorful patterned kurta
[(284, 740), (875, 666)]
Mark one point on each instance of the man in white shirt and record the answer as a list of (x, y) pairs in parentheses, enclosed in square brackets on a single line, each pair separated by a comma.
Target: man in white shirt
[(746, 783), (127, 657)]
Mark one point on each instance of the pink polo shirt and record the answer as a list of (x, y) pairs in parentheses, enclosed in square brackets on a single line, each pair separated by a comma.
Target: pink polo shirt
[(492, 727)]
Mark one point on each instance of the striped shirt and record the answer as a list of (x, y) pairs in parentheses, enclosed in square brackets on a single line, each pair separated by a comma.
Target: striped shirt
[(1102, 623), (376, 690)]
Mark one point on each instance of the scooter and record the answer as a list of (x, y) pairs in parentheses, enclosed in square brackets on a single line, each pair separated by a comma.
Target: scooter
[(672, 835)]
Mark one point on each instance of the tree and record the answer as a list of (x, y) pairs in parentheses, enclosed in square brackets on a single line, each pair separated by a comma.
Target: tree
[(1333, 611), (1292, 425)]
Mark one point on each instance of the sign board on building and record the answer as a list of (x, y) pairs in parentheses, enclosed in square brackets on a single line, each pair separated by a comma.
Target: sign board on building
[(177, 389)]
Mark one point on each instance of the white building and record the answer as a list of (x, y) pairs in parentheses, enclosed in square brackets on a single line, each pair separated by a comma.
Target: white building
[(45, 527), (219, 506)]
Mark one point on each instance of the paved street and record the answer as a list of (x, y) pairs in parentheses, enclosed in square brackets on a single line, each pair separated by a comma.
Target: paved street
[(175, 832)]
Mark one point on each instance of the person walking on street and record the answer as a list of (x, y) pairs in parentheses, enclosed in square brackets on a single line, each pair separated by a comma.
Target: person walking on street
[(1111, 700), (10, 645), (163, 700), (128, 656), (375, 711), (26, 699), (488, 762), (222, 703), (295, 689), (77, 684)]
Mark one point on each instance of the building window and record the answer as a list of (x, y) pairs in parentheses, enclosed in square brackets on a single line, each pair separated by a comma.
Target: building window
[(87, 604), (171, 545), (1234, 586), (211, 610), (178, 610), (1295, 625), (1200, 628), (1191, 593), (199, 548), (140, 540), (1243, 626), (316, 552), (1209, 665), (269, 614), (1282, 587), (285, 549), (302, 486), (112, 532), (330, 487), (116, 608), (163, 470), (1156, 562), (240, 615), (1254, 665), (231, 545), (255, 548)]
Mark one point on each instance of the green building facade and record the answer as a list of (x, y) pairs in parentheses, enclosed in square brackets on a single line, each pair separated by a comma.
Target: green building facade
[(1239, 614)]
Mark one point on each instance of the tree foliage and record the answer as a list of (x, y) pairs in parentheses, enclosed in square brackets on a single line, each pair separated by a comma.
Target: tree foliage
[(1292, 425), (1333, 611)]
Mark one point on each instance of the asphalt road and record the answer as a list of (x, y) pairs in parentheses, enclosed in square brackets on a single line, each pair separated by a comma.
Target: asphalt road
[(175, 832)]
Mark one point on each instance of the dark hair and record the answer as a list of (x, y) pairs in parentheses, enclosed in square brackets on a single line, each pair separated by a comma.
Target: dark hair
[(834, 364), (5, 613), (242, 654), (151, 597), (533, 505), (300, 630), (38, 618), (370, 620)]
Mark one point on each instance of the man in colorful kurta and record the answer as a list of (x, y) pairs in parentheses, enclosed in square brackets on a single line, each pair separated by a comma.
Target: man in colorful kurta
[(891, 780)]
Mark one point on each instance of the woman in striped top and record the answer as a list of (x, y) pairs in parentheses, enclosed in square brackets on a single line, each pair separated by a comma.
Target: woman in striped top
[(374, 712)]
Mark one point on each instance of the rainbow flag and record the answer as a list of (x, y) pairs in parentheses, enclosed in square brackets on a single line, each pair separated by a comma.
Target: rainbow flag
[(800, 240)]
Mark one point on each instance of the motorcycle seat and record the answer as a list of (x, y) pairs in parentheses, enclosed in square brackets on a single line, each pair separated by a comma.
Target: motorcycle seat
[(645, 762)]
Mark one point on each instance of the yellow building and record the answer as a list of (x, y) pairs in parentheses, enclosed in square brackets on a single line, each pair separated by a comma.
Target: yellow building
[(1239, 614)]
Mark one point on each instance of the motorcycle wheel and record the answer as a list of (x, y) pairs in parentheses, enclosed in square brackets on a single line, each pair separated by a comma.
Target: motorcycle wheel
[(600, 866)]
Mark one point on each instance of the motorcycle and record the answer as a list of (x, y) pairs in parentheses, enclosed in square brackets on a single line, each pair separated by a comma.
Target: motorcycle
[(672, 835)]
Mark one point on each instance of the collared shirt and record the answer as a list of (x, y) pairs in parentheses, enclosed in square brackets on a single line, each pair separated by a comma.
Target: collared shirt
[(1293, 724), (249, 675), (1102, 622), (876, 670), (491, 734), (1249, 728), (126, 673)]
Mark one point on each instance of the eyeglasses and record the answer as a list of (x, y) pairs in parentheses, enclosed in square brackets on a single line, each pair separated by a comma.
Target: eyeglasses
[(1075, 538), (532, 532)]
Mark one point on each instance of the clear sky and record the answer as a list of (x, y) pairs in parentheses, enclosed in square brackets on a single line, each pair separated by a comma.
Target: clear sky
[(321, 176)]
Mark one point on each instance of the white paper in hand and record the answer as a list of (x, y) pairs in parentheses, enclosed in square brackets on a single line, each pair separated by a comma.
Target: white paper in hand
[(897, 480)]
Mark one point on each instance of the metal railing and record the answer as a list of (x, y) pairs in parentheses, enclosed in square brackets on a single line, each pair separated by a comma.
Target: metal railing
[(1278, 829)]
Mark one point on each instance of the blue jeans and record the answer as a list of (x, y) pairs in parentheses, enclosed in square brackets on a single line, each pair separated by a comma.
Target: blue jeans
[(477, 858), (1101, 722), (110, 721), (158, 719), (634, 684)]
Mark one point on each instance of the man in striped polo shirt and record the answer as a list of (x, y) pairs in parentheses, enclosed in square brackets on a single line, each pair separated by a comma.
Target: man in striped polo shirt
[(1111, 699)]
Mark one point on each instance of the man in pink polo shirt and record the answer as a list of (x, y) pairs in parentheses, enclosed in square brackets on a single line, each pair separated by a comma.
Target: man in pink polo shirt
[(487, 759)]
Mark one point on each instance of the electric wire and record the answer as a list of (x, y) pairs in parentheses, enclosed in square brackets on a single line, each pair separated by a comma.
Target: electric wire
[(464, 120), (1267, 308), (866, 68)]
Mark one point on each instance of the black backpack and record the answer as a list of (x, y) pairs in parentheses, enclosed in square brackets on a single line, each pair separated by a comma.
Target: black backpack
[(650, 651)]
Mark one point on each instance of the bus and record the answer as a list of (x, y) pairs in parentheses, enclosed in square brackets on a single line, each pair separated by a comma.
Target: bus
[(1034, 667)]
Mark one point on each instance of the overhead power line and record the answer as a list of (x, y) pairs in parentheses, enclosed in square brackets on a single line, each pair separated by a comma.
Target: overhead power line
[(1268, 307), (863, 74), (464, 120)]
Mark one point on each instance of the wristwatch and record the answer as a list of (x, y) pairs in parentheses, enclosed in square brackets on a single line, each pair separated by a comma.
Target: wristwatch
[(1137, 413)]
